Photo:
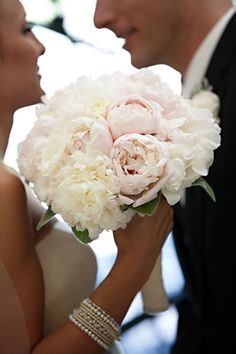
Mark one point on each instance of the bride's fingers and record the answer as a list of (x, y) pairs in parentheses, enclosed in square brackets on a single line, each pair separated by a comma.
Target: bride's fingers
[(146, 231)]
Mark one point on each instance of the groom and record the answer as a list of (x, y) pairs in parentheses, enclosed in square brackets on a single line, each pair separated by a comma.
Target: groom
[(197, 38)]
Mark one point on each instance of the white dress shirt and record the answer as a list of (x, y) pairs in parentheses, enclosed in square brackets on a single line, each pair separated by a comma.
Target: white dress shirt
[(197, 67)]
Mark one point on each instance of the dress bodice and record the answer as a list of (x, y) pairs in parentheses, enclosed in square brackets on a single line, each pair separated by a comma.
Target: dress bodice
[(69, 269)]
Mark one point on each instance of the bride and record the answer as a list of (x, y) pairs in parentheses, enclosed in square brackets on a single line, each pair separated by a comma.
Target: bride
[(33, 290)]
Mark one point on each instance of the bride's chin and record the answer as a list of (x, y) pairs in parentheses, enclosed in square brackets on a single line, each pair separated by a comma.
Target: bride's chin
[(40, 95), (33, 101)]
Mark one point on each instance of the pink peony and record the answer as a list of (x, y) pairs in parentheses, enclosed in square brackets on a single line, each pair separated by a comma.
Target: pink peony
[(140, 163), (133, 114)]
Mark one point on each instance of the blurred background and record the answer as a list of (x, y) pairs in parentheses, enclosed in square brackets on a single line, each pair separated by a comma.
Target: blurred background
[(74, 47)]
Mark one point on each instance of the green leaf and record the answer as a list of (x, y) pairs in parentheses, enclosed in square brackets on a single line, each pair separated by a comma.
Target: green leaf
[(83, 236), (203, 183), (46, 217), (149, 207)]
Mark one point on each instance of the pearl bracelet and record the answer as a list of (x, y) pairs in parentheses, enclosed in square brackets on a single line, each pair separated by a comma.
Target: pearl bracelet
[(96, 323)]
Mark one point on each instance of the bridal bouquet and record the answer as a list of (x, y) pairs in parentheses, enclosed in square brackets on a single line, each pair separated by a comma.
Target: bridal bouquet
[(104, 149)]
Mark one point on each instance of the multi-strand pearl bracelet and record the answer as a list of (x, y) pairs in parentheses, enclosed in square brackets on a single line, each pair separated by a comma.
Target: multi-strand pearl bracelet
[(96, 323)]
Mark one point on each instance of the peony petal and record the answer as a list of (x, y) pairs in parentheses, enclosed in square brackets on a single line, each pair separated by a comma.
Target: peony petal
[(125, 200), (152, 193)]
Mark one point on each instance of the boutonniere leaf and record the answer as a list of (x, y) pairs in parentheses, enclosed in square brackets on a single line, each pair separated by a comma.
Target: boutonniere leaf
[(203, 183)]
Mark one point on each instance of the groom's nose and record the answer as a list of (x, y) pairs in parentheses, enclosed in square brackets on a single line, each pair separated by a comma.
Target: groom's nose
[(105, 14)]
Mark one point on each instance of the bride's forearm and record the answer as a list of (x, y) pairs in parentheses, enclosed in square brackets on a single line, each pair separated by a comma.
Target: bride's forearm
[(121, 284)]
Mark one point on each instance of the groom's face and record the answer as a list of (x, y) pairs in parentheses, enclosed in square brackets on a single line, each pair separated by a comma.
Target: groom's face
[(149, 27)]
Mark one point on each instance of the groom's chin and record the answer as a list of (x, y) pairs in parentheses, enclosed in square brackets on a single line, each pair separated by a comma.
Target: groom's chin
[(139, 61)]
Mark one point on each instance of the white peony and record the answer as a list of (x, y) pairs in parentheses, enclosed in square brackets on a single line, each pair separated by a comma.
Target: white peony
[(84, 192)]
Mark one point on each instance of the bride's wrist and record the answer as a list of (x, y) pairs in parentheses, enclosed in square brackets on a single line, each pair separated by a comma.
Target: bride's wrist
[(133, 271)]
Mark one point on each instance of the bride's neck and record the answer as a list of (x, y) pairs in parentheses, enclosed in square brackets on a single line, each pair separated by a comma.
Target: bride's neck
[(6, 121)]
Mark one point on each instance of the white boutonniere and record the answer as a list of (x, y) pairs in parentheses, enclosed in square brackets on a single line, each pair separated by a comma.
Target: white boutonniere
[(204, 97)]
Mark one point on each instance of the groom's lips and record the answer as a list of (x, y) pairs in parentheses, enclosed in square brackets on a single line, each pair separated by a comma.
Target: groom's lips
[(127, 36)]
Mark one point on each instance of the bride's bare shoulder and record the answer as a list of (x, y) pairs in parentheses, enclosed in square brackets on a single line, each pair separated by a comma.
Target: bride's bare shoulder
[(10, 184), (15, 223)]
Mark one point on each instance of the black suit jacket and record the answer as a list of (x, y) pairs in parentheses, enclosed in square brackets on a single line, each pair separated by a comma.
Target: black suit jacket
[(205, 232)]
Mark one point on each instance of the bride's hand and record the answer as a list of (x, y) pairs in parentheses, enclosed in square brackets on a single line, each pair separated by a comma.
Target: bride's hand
[(141, 241)]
